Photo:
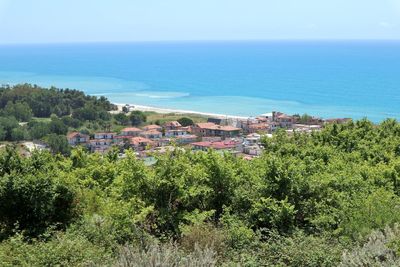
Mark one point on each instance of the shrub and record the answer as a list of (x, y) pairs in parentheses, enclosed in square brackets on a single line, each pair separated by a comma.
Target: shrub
[(60, 250), (166, 255), (380, 249)]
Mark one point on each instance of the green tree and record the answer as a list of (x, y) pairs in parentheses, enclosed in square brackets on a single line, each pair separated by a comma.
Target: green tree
[(33, 201), (2, 133), (39, 129), (58, 144), (18, 134), (20, 110), (121, 119), (57, 126), (184, 121), (137, 117), (8, 124)]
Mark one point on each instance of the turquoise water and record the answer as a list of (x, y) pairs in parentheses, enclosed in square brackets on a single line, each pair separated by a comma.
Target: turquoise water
[(329, 79)]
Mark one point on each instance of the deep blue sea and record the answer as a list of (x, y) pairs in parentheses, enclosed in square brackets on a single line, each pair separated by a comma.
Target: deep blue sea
[(329, 79)]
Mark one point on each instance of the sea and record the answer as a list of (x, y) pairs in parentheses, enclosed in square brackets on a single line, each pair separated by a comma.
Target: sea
[(329, 79)]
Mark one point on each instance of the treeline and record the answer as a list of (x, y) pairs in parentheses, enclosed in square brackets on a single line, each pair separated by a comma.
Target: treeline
[(325, 199), (41, 102), (24, 107)]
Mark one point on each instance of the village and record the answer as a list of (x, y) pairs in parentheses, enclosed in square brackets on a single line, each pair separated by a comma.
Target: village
[(241, 137)]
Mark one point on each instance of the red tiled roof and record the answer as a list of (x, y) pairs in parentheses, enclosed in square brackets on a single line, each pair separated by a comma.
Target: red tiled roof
[(284, 116), (73, 134), (131, 129), (258, 126), (137, 140), (217, 145), (152, 127), (173, 123), (151, 132), (122, 136)]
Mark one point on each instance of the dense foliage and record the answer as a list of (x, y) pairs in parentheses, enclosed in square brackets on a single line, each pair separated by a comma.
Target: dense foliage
[(309, 200), (42, 102), (33, 113)]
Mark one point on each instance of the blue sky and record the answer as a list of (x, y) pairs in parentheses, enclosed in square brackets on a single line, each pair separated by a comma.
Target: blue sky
[(44, 21)]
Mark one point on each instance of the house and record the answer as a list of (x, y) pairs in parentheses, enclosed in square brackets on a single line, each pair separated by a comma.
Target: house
[(77, 138), (227, 145), (152, 127), (266, 117), (251, 145), (186, 139), (140, 143), (305, 128), (211, 138), (151, 134), (212, 129), (163, 142), (100, 145), (105, 135), (252, 139), (258, 128), (284, 120), (172, 125), (131, 131), (175, 133), (253, 150)]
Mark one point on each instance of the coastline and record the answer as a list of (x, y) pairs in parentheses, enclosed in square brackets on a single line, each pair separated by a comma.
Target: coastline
[(179, 111)]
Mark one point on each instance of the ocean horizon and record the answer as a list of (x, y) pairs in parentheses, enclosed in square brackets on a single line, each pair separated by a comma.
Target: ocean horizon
[(329, 79)]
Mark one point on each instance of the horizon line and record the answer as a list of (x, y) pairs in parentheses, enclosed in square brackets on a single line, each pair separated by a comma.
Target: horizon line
[(205, 41)]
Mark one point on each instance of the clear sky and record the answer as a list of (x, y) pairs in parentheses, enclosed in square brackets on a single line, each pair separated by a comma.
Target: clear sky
[(44, 21)]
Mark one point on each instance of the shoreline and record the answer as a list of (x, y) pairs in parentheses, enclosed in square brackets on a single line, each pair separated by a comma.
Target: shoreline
[(179, 111)]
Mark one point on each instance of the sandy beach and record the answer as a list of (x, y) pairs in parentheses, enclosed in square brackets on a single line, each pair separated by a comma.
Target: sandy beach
[(177, 111)]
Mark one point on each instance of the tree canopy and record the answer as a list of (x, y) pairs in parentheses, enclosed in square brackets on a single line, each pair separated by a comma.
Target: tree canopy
[(308, 200)]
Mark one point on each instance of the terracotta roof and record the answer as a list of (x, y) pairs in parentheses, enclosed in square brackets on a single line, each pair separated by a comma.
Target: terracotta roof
[(123, 136), (173, 123), (137, 140), (205, 124), (217, 145), (151, 132), (131, 129), (258, 126), (284, 116), (152, 127), (72, 135)]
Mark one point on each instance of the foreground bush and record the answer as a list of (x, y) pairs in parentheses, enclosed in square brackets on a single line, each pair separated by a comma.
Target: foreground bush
[(167, 255), (60, 250), (380, 249)]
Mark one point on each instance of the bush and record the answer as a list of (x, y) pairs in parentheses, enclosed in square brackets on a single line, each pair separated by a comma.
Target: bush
[(184, 121), (60, 250), (33, 202), (203, 236), (165, 255), (380, 249)]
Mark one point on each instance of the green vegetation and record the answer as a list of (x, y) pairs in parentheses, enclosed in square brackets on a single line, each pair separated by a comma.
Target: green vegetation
[(29, 112), (33, 113), (137, 118), (185, 121), (324, 199), (160, 119)]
